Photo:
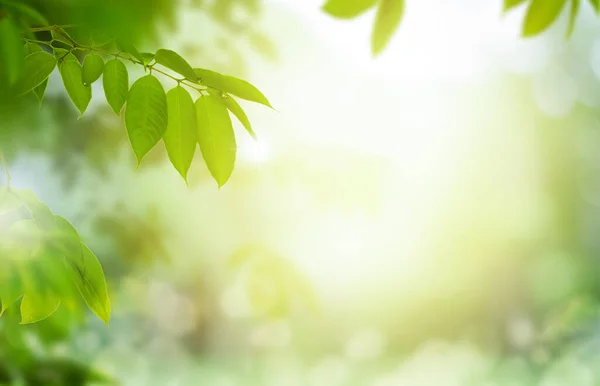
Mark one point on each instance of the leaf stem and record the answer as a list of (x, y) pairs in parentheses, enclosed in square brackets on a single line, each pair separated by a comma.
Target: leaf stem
[(5, 165), (52, 28)]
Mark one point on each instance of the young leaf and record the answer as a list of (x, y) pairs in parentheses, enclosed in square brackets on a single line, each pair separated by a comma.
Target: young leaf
[(79, 93), (37, 67), (36, 307), (596, 5), (116, 84), (540, 15), (180, 136), (146, 115), (347, 9), (87, 274), (389, 16), (231, 85), (61, 36), (216, 137), (11, 53), (175, 62), (93, 65), (573, 17), (239, 113), (510, 4)]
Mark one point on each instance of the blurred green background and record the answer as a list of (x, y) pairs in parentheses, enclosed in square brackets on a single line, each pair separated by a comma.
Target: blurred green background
[(428, 217)]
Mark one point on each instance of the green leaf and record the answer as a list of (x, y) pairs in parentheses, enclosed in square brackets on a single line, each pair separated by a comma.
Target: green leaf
[(36, 307), (63, 55), (510, 4), (62, 36), (37, 67), (129, 48), (175, 62), (216, 137), (116, 84), (180, 136), (93, 65), (388, 18), (79, 93), (89, 279), (40, 91), (596, 5), (26, 12), (30, 48), (239, 113), (40, 212), (573, 16), (11, 53), (148, 57), (146, 115), (540, 15), (347, 9), (231, 85)]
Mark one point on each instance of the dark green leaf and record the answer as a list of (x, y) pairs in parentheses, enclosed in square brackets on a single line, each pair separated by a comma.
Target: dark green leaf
[(348, 9), (216, 137), (146, 115), (11, 53), (36, 70), (180, 136), (573, 16), (26, 12), (62, 36), (510, 4), (79, 93), (540, 15), (93, 65), (116, 84), (175, 62), (388, 18), (231, 85)]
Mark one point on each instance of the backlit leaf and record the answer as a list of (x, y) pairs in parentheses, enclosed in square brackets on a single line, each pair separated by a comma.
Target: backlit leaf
[(37, 306), (61, 36), (61, 55), (116, 84), (180, 136), (510, 4), (175, 62), (11, 52), (239, 113), (148, 57), (540, 15), (573, 16), (388, 18), (347, 9), (231, 85), (216, 137), (146, 115), (93, 65), (30, 48), (79, 93), (37, 67), (40, 90), (596, 5)]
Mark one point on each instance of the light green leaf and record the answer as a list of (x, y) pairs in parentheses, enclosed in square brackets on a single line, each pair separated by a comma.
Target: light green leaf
[(36, 70), (93, 65), (573, 16), (40, 91), (62, 36), (146, 115), (89, 279), (388, 18), (11, 53), (596, 5), (540, 15), (10, 285), (30, 48), (26, 12), (36, 307), (231, 85), (116, 84), (347, 9), (239, 113), (40, 212), (180, 136), (62, 55), (175, 62), (8, 201), (216, 137), (79, 93), (510, 4)]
